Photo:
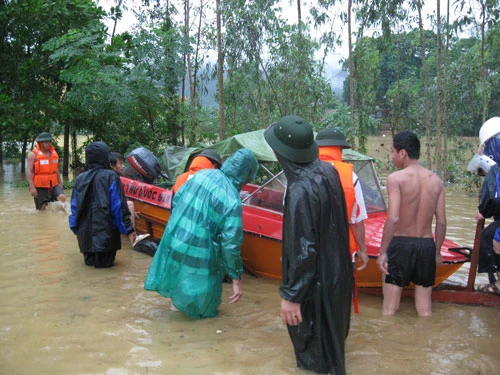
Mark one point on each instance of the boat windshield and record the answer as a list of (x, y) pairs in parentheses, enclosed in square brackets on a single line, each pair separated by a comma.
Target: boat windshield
[(269, 195), (370, 184)]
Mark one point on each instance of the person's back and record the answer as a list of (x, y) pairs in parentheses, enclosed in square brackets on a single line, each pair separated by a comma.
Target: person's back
[(419, 190), (317, 274), (98, 209), (408, 251), (202, 240), (331, 142)]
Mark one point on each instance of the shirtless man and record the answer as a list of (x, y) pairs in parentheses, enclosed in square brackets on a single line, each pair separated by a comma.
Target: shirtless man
[(408, 250)]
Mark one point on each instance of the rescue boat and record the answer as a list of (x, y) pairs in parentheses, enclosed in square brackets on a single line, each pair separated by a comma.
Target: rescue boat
[(262, 210)]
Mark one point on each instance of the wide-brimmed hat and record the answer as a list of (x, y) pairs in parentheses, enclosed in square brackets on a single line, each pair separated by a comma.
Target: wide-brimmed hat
[(292, 137), (332, 137), (44, 137), (212, 155)]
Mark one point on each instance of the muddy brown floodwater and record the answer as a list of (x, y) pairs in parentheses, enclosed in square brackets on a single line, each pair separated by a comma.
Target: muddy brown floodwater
[(59, 317)]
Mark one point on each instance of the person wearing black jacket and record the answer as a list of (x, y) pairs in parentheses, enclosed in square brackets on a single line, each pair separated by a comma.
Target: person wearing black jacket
[(99, 211), (489, 206), (317, 272)]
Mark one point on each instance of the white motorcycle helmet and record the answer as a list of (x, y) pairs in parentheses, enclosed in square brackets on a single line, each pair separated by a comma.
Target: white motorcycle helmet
[(489, 129), (480, 163)]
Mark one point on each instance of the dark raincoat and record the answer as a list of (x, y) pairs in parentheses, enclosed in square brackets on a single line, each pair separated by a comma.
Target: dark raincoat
[(489, 206), (99, 211), (317, 268)]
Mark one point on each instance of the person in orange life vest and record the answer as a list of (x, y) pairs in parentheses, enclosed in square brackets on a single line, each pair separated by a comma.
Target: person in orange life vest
[(207, 159), (331, 142), (42, 173)]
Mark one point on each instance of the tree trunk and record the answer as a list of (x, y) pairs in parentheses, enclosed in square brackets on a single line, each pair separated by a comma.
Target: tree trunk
[(65, 171), (483, 63), (445, 89), (439, 103), (220, 73), (351, 72), (424, 77), (299, 12), (186, 64), (118, 6)]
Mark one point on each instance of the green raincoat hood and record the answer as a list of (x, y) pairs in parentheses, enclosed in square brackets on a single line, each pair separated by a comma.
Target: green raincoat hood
[(241, 167)]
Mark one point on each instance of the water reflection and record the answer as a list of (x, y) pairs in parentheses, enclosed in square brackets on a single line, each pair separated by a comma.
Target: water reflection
[(60, 317)]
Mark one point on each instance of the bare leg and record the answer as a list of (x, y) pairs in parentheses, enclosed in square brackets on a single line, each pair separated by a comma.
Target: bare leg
[(131, 208), (392, 298), (423, 300)]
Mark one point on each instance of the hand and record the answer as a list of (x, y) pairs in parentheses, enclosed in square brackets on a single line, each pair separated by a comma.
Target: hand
[(439, 259), (382, 263), (237, 293), (479, 217), (496, 247), (132, 237), (290, 313), (33, 192), (364, 258)]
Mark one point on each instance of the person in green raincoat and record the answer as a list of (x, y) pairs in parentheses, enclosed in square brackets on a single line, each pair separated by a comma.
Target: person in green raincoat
[(202, 239)]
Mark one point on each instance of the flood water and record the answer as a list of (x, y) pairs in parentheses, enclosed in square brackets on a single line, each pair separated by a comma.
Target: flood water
[(58, 316)]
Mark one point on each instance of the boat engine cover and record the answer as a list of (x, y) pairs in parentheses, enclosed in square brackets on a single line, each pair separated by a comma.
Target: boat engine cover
[(145, 163)]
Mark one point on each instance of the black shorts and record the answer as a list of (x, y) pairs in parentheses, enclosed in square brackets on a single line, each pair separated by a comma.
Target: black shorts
[(46, 195), (411, 259)]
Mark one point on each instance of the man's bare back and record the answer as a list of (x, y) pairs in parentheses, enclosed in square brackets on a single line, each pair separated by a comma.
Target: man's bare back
[(420, 191), (416, 196)]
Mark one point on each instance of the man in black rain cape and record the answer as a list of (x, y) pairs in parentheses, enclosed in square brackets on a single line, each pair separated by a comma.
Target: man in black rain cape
[(317, 274), (99, 211)]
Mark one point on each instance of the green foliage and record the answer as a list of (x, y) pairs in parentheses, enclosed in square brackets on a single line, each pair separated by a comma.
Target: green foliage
[(27, 76), (60, 70), (288, 80), (460, 153), (126, 92)]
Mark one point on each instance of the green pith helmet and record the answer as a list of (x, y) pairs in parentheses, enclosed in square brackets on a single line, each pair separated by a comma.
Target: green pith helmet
[(44, 137), (292, 137), (331, 137), (213, 155)]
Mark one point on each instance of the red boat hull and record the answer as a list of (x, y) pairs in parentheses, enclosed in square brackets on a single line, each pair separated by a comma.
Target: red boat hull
[(261, 249)]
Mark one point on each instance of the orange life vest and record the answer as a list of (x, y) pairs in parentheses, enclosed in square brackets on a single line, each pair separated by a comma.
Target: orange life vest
[(331, 154), (198, 163), (45, 168)]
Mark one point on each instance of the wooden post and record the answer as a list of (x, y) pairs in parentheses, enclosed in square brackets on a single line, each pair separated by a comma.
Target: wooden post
[(475, 256)]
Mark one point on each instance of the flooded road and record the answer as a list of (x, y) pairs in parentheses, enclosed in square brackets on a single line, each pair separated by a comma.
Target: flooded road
[(58, 316)]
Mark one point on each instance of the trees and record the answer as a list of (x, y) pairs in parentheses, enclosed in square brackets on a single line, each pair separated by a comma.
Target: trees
[(71, 75), (28, 79)]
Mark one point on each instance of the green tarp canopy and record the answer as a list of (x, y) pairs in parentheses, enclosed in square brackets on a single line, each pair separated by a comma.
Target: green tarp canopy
[(177, 158)]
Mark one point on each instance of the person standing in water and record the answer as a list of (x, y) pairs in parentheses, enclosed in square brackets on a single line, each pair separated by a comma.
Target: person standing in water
[(408, 251), (317, 275), (489, 207), (42, 173), (202, 240), (99, 211)]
